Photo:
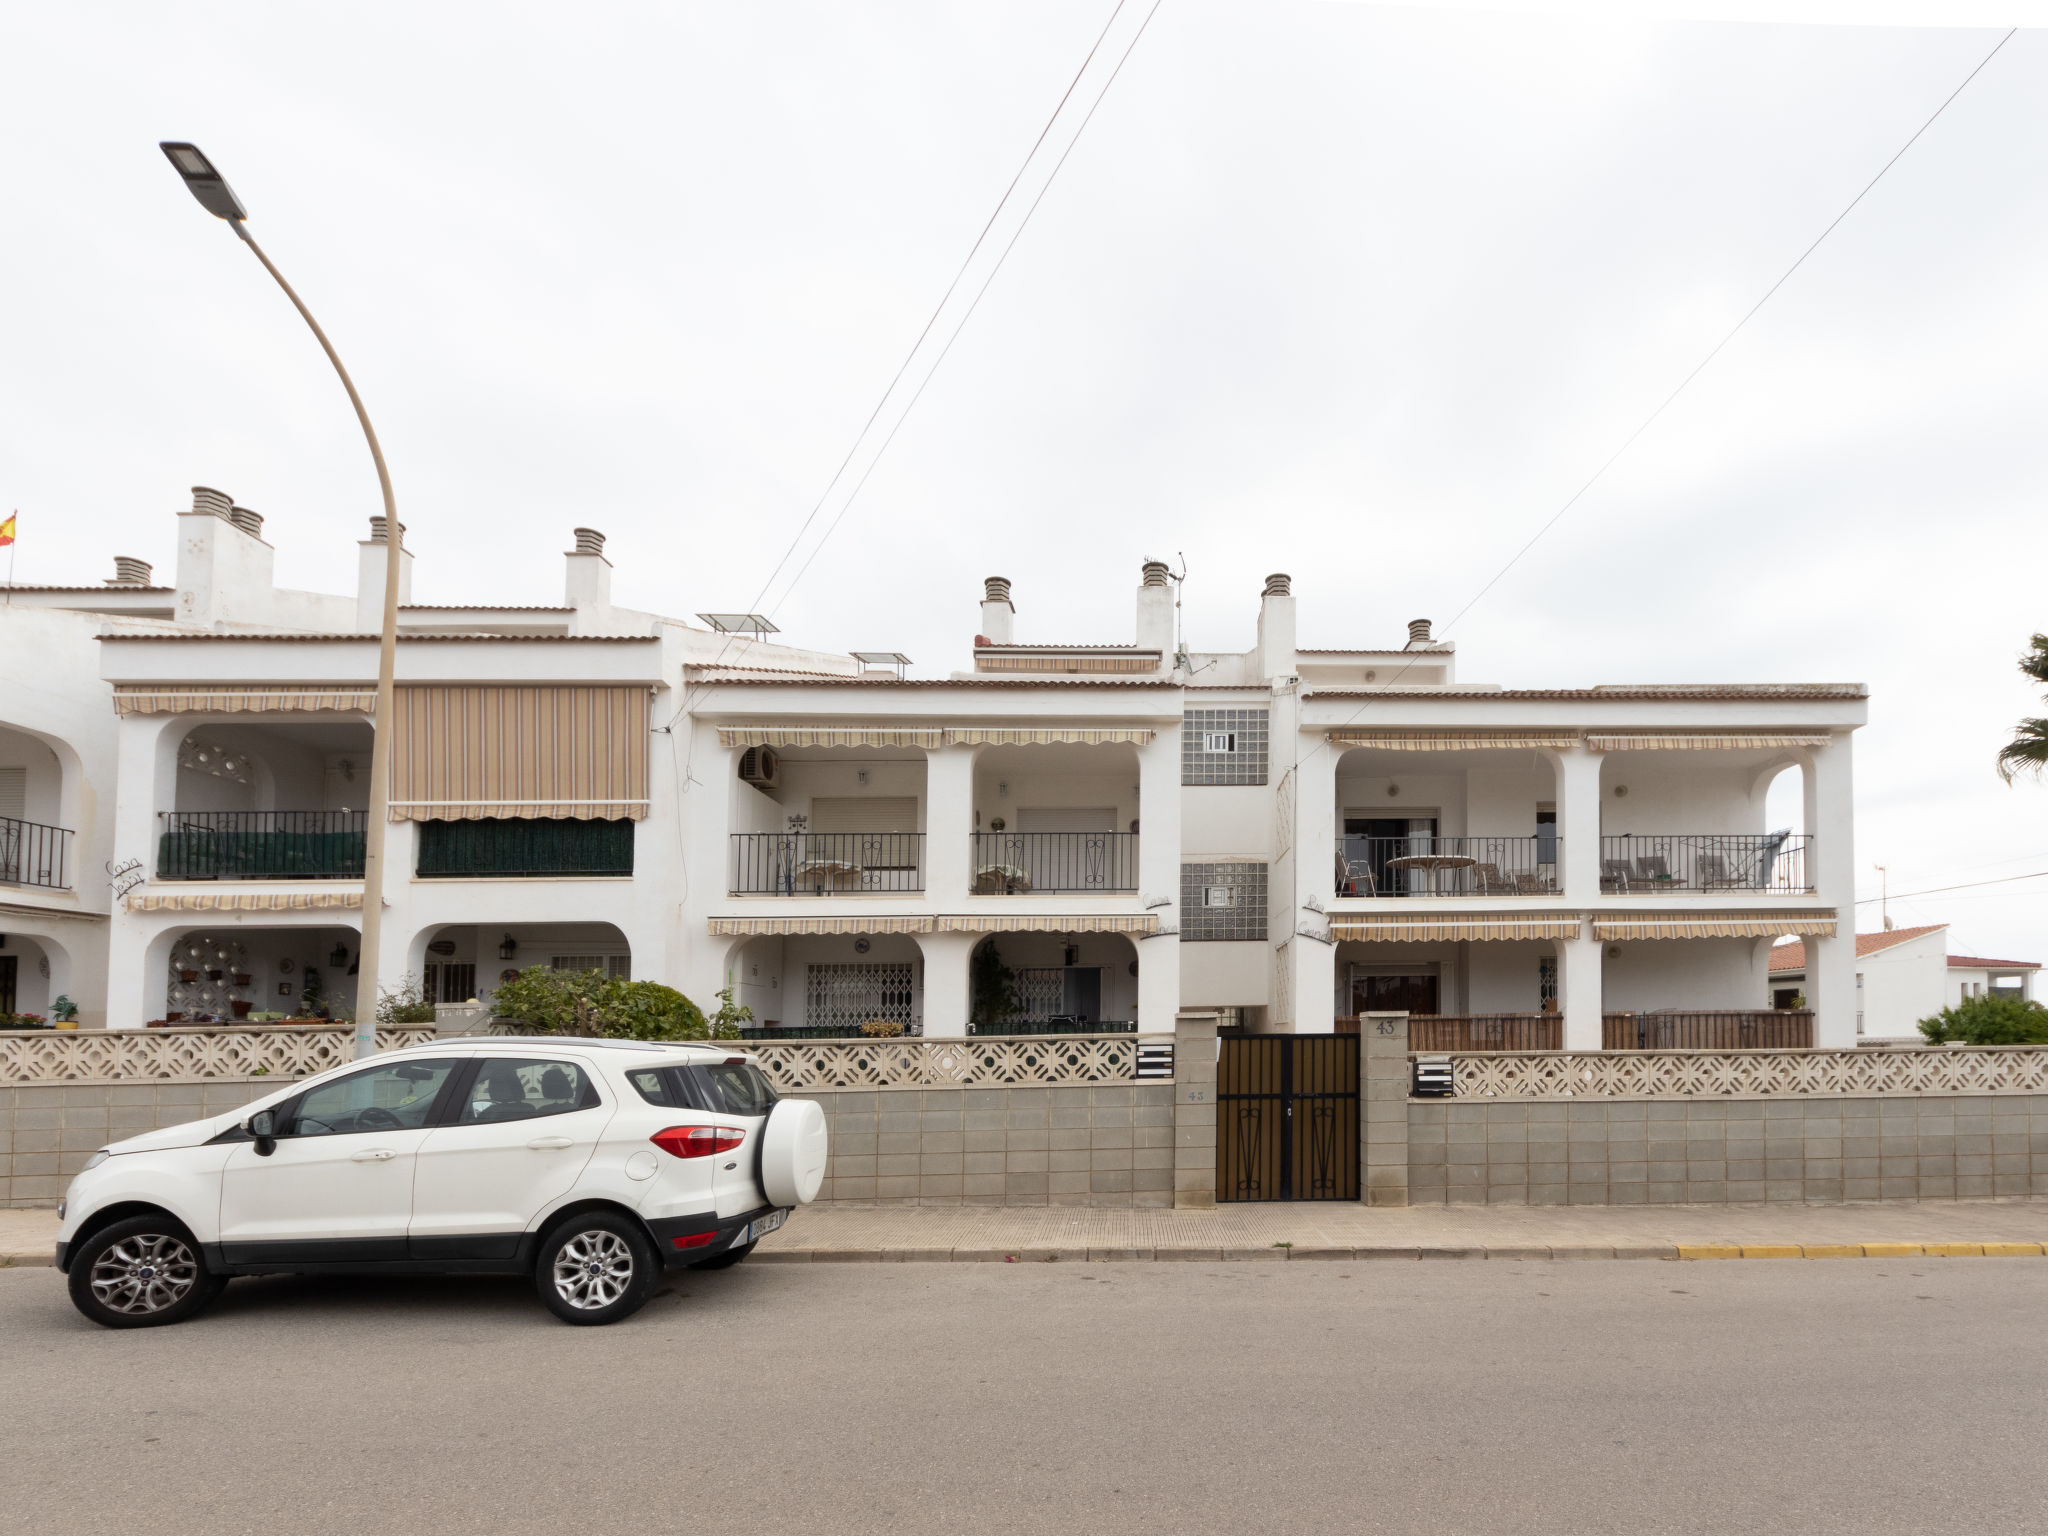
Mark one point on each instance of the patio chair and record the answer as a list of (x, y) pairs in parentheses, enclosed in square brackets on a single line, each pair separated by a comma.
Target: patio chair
[(1487, 880), (1767, 857), (1653, 869), (1714, 873), (1615, 875), (1531, 882)]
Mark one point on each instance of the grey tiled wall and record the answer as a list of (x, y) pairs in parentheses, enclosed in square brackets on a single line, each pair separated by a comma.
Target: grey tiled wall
[(48, 1130), (1111, 1145), (1704, 1151)]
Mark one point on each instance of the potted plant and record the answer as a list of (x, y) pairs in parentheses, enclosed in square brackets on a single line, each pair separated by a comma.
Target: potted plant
[(881, 1029), (188, 977), (240, 1005), (242, 978)]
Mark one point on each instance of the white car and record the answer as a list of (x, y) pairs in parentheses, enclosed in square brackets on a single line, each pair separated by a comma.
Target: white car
[(592, 1165)]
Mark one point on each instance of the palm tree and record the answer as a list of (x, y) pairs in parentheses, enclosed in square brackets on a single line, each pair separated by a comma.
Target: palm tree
[(2027, 752)]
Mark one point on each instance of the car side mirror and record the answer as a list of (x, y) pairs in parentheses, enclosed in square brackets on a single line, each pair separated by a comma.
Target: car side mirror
[(263, 1126)]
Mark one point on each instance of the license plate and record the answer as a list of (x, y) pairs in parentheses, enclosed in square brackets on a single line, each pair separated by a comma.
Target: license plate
[(760, 1229)]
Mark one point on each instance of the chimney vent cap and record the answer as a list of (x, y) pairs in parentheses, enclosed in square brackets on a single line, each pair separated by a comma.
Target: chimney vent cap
[(249, 522), (1418, 632), (589, 542), (1155, 573), (995, 589), (211, 503), (1279, 584), (129, 572), (377, 531)]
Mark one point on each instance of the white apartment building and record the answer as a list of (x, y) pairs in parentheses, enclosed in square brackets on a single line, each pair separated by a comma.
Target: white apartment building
[(1103, 831)]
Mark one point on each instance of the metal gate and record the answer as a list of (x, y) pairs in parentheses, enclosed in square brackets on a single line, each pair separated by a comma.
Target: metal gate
[(1287, 1118)]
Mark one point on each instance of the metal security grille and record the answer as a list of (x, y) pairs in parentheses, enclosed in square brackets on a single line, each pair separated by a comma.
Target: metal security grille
[(1223, 746), (1287, 1118), (1222, 901), (848, 996)]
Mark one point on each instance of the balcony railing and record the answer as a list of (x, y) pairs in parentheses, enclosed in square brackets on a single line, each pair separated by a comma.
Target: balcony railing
[(825, 863), (33, 854), (1777, 1029), (1423, 864), (514, 849), (1486, 1032), (261, 845), (1772, 863), (1014, 863)]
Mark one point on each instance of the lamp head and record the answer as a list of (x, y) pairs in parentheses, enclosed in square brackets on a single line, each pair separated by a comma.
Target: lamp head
[(205, 183)]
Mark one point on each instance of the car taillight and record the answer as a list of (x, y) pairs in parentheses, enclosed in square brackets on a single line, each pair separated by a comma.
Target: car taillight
[(698, 1140), (692, 1239)]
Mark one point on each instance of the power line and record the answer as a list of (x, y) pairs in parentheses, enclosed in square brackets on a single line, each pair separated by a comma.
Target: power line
[(1969, 886), (979, 295)]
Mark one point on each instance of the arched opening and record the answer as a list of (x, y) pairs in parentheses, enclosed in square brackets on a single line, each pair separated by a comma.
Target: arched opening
[(238, 975), (1685, 821), (34, 972), (1053, 983), (460, 962), (283, 801), (829, 986), (826, 821), (1470, 822), (35, 841), (1055, 818)]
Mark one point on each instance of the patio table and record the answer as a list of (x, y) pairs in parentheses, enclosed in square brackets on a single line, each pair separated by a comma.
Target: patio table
[(1431, 865)]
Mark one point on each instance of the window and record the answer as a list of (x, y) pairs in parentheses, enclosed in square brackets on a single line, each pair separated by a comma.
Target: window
[(1222, 901), (846, 996), (522, 1088), (737, 1087), (1223, 746), (655, 1087), (399, 1097)]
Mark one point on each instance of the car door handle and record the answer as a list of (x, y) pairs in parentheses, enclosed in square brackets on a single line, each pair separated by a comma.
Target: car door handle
[(372, 1155), (551, 1143)]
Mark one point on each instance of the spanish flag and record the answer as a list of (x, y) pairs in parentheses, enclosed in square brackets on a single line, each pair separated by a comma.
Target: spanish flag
[(7, 529)]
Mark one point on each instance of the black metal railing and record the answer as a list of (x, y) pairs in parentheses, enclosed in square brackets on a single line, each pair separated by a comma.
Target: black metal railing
[(261, 845), (33, 854), (1013, 863), (825, 863), (505, 847), (1774, 863), (1423, 864)]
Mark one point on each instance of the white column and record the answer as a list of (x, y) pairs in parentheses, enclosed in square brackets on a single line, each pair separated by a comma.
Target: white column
[(948, 821), (1312, 982), (1831, 866), (1158, 984), (945, 980), (1580, 972), (1312, 967), (1159, 831), (146, 777), (1578, 822)]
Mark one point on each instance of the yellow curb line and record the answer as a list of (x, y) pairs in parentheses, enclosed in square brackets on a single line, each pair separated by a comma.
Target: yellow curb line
[(1861, 1250)]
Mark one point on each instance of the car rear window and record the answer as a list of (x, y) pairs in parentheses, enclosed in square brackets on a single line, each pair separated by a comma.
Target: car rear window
[(732, 1088), (654, 1086)]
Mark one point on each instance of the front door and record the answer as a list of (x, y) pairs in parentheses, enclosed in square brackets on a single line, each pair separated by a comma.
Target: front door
[(7, 974), (522, 1131), (338, 1186), (1287, 1117)]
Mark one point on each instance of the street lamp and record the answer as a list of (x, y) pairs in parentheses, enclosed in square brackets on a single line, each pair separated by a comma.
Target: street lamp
[(214, 194)]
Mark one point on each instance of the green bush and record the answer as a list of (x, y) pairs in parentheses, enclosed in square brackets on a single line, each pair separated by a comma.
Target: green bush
[(591, 1003), (1989, 1020), (405, 1004)]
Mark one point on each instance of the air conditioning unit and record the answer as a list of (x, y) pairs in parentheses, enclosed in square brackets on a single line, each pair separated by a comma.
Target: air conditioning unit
[(760, 766)]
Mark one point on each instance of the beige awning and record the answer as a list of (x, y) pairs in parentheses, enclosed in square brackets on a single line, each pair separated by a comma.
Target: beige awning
[(1713, 925), (1701, 741), (1376, 928), (235, 699), (827, 736), (1033, 736), (248, 901), (547, 753), (757, 927), (1025, 922), (1449, 741)]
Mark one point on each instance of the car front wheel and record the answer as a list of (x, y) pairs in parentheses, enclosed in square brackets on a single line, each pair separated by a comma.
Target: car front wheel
[(596, 1269), (143, 1272)]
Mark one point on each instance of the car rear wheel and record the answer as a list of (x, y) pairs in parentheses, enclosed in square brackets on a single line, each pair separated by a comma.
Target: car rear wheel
[(143, 1272), (727, 1259), (596, 1269)]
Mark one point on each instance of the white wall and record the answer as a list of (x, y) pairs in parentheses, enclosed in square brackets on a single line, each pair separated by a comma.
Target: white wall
[(1227, 820), (1679, 792), (1690, 975), (1903, 985), (1228, 974)]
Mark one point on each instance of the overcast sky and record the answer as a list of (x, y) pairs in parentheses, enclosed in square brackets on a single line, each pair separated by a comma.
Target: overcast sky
[(1358, 293)]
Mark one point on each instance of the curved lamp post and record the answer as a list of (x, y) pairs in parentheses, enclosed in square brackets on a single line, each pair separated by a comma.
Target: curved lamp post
[(218, 198)]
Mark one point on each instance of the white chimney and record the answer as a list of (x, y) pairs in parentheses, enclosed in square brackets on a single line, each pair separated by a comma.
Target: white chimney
[(129, 572), (589, 586), (225, 570), (1276, 627), (1155, 611), (998, 616), (371, 558)]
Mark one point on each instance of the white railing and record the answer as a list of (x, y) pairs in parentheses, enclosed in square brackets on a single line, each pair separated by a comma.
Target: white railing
[(1036, 1061), (1750, 1074), (172, 1055)]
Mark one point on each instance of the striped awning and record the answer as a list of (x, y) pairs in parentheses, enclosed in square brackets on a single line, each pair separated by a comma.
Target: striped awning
[(758, 927), (1033, 736), (1449, 741), (1388, 929), (827, 736), (248, 901), (1701, 741), (555, 752), (235, 699), (1713, 925), (1026, 922)]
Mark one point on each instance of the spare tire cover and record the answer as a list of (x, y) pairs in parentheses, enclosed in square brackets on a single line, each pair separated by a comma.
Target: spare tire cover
[(794, 1146)]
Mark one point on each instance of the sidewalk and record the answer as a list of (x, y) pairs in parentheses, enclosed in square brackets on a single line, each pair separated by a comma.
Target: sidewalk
[(940, 1234)]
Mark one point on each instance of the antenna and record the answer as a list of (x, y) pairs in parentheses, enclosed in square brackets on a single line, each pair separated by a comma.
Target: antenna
[(1180, 624), (1884, 896)]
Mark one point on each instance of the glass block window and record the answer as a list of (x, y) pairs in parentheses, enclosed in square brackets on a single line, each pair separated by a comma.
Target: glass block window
[(1222, 901), (1223, 746)]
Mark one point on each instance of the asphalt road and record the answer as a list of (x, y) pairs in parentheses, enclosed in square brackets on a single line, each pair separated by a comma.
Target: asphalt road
[(1575, 1396)]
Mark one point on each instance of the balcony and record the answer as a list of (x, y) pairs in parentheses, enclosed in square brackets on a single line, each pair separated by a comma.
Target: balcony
[(825, 863), (1017, 863), (33, 854), (1423, 864), (1770, 864), (261, 845), (513, 848)]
